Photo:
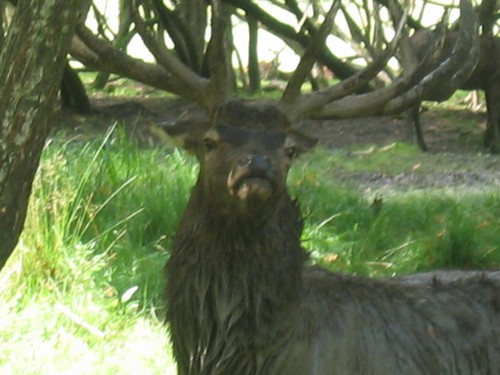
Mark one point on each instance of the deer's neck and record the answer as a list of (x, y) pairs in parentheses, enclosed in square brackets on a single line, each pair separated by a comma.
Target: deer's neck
[(239, 252), (240, 281)]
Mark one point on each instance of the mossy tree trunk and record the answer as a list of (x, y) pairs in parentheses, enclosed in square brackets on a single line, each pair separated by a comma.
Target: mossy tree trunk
[(31, 65)]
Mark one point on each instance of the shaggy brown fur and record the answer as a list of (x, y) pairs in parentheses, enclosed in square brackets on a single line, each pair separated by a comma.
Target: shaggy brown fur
[(243, 301)]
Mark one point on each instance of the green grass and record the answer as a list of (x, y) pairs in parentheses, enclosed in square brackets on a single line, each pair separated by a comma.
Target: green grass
[(404, 231), (82, 292)]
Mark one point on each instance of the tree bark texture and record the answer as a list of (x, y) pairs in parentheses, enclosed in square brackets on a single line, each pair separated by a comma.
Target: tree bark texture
[(31, 65), (253, 58)]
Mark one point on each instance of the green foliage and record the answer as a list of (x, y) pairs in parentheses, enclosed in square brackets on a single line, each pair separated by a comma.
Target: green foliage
[(82, 292), (401, 232), (86, 278), (108, 199)]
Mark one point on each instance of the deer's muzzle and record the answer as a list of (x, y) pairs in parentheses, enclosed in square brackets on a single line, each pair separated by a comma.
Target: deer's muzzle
[(252, 178)]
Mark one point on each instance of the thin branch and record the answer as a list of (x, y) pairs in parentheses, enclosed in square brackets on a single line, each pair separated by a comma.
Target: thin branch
[(169, 61), (80, 321), (311, 102), (102, 55), (180, 35), (294, 39), (218, 59), (292, 91), (404, 93), (454, 70)]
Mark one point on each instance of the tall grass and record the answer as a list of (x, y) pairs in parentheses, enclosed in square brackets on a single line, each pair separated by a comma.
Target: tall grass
[(85, 282), (82, 292)]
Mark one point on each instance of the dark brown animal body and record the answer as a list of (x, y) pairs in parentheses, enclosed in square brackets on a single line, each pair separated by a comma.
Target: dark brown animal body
[(485, 76), (243, 301)]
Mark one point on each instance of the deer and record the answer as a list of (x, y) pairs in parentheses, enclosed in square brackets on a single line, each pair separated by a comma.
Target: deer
[(242, 298), (485, 76), (241, 295)]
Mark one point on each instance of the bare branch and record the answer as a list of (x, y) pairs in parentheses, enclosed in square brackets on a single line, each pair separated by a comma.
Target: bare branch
[(406, 92), (311, 102), (171, 74), (196, 84), (102, 55), (180, 35), (292, 91), (217, 50), (78, 320), (294, 39)]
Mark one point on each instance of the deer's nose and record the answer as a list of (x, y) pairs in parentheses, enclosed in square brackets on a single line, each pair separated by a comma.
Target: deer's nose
[(257, 162)]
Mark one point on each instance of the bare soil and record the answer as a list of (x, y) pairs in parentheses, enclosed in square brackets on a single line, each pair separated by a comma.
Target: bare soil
[(449, 140)]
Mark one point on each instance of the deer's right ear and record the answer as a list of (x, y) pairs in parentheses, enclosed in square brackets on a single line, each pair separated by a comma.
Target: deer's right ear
[(184, 133)]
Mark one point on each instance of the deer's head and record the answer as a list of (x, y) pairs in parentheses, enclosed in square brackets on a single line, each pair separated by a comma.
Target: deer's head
[(245, 151)]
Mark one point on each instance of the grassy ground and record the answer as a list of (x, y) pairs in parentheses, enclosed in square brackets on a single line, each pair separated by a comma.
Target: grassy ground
[(82, 292)]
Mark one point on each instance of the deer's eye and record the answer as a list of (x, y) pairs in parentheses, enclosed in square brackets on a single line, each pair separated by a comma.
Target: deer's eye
[(209, 144), (291, 152)]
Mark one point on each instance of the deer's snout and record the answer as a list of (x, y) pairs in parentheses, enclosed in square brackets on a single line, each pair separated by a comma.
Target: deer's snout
[(252, 177), (255, 162)]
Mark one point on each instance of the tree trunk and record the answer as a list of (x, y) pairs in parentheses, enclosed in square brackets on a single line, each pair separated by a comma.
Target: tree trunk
[(31, 66), (2, 10), (253, 58), (194, 16), (73, 94)]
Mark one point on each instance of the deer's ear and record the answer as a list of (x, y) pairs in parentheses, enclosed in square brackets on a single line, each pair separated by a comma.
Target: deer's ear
[(297, 143), (185, 133)]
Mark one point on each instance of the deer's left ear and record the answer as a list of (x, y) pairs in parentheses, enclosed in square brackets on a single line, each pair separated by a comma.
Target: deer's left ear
[(297, 143), (184, 133)]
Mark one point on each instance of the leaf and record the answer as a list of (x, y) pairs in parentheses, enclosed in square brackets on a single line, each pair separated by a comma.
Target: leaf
[(129, 293)]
